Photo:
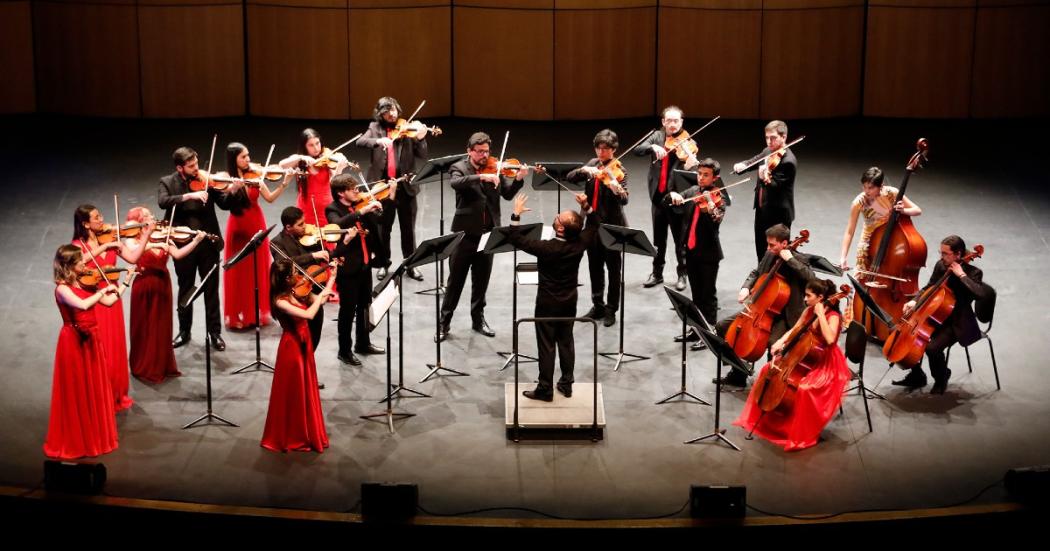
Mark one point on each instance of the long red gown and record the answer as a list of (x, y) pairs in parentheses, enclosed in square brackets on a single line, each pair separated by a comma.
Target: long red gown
[(114, 336), (238, 282), (152, 357), (316, 197), (818, 397), (82, 422), (294, 420)]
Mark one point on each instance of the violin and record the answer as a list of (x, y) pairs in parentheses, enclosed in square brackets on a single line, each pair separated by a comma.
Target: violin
[(304, 280), (91, 278), (109, 233), (709, 199), (749, 333), (907, 342), (177, 234), (611, 173), (326, 161), (330, 233), (682, 145), (410, 129), (203, 181), (509, 168)]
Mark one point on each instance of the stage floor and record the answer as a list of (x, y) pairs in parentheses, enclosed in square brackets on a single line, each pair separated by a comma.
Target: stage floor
[(982, 182)]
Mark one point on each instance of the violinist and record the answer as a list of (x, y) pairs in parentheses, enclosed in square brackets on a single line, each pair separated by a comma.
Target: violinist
[(89, 234), (316, 165), (287, 241), (392, 158), (354, 277), (796, 273), (478, 193), (152, 356), (662, 182), (775, 186), (960, 326), (606, 190), (819, 393), (703, 249), (246, 219), (196, 210), (874, 203)]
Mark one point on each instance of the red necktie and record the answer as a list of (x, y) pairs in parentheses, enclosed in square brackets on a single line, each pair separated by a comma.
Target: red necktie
[(364, 245), (692, 227), (663, 176), (391, 162), (597, 192)]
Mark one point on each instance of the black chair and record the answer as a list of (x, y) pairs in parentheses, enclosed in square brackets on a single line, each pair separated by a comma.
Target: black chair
[(856, 349), (985, 311)]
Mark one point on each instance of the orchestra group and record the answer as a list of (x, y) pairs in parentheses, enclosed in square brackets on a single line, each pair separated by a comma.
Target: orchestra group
[(340, 228)]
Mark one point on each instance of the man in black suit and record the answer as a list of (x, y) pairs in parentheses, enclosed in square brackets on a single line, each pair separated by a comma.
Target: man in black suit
[(960, 326), (607, 197), (662, 182), (774, 189), (288, 242), (354, 277), (477, 211), (703, 249), (392, 159), (558, 261), (195, 209), (796, 272)]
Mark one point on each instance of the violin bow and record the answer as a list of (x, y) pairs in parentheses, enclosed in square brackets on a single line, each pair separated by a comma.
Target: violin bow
[(785, 148), (416, 112), (171, 224), (499, 164), (211, 156), (689, 137), (278, 250), (721, 189), (116, 213), (317, 224), (266, 166)]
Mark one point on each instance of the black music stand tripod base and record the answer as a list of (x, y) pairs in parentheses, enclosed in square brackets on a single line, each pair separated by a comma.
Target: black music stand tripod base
[(435, 251), (626, 240), (690, 316), (389, 412), (208, 418), (723, 352)]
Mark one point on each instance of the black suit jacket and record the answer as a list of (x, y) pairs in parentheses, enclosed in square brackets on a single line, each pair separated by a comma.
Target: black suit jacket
[(558, 262), (796, 272), (351, 253), (645, 149), (780, 192), (962, 319), (708, 245), (193, 213), (477, 203), (408, 150), (610, 205)]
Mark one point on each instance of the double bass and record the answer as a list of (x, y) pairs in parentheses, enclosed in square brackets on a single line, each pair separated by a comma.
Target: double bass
[(892, 277)]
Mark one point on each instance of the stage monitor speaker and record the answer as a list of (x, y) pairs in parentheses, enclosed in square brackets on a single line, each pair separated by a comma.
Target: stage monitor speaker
[(717, 501), (385, 501), (74, 478), (1029, 485)]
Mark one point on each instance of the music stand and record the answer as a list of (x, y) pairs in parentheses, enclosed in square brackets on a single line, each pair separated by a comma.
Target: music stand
[(499, 242), (691, 316), (439, 166), (555, 173), (208, 417), (869, 306), (625, 240), (395, 390), (820, 264), (718, 346), (250, 248), (389, 412), (435, 250)]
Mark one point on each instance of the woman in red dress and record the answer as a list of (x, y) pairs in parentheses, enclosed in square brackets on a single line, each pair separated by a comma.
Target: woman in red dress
[(246, 219), (87, 226), (82, 422), (820, 391), (294, 420), (314, 191), (152, 356)]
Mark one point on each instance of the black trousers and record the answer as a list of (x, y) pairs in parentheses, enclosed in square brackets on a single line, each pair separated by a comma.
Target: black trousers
[(551, 336), (598, 260), (467, 258), (702, 276), (199, 262), (355, 294), (664, 218), (765, 219), (942, 337), (404, 209)]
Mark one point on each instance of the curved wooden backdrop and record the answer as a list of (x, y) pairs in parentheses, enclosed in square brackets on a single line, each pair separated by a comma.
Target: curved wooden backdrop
[(527, 59)]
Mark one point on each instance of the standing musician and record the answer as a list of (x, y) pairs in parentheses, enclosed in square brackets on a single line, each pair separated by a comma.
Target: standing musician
[(797, 274), (607, 194), (775, 187), (392, 158), (703, 249), (478, 192), (661, 182), (316, 164), (558, 261), (353, 212), (195, 209), (874, 203), (294, 222), (961, 325)]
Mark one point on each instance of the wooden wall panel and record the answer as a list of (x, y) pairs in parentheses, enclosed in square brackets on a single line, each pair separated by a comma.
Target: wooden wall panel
[(811, 62), (192, 74), (18, 94), (605, 63), (87, 60), (412, 65), (1011, 69), (504, 63), (298, 62), (718, 75), (918, 62)]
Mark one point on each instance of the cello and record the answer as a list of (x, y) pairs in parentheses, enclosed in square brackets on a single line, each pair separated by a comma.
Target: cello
[(892, 277), (907, 342), (749, 332)]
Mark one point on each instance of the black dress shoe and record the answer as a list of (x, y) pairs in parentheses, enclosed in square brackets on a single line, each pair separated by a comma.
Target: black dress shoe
[(691, 336), (442, 333), (320, 386), (653, 281), (914, 379), (595, 313), (698, 345), (941, 385), (610, 318), (180, 339), (565, 389), (680, 284), (370, 349), (381, 273), (414, 273), (731, 380), (349, 359), (216, 342), (481, 326), (538, 395)]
